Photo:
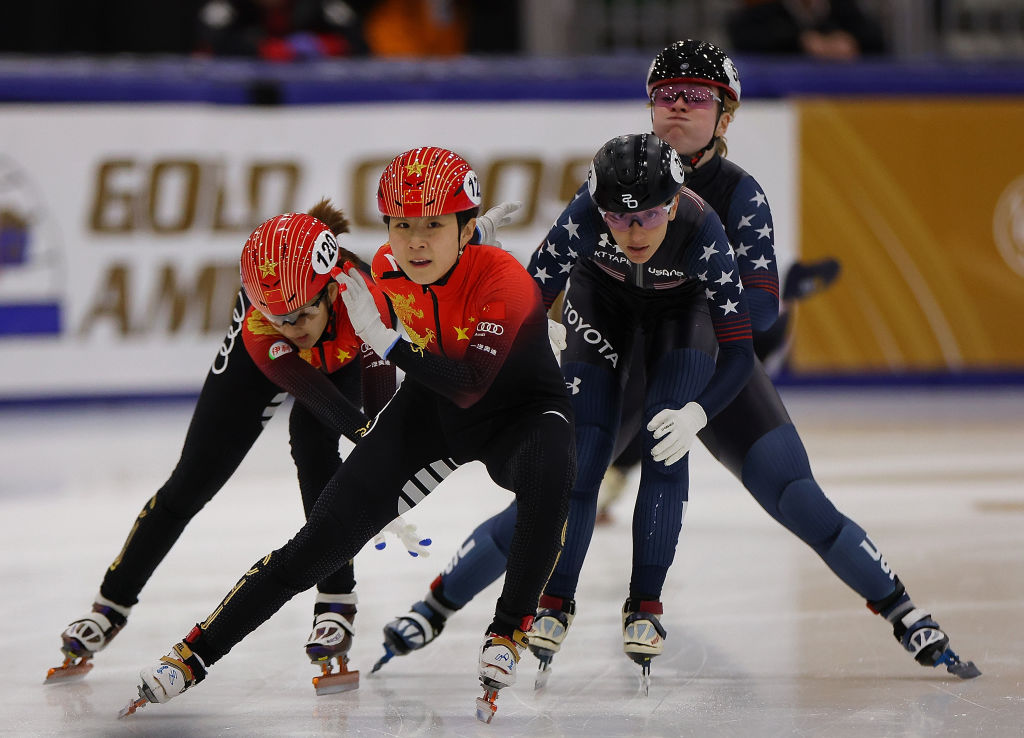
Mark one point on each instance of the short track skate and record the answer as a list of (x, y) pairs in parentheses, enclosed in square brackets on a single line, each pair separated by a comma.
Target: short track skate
[(132, 706), (332, 682), (73, 669), (644, 662), (545, 657), (956, 667), (485, 707), (388, 655)]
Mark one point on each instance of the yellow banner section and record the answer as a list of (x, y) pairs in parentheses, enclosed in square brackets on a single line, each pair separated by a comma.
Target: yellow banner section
[(923, 202)]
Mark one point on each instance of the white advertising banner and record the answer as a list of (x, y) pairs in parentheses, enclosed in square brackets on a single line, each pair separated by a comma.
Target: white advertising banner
[(121, 225)]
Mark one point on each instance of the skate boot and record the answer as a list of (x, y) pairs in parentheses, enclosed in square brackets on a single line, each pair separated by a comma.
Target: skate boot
[(414, 630), (929, 645), (554, 616), (84, 637), (643, 636), (176, 672), (920, 635), (330, 640), (499, 656)]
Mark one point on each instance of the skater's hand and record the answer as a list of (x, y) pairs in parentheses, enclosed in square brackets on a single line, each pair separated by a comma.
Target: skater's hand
[(362, 311), (406, 533), (677, 429), (498, 216), (556, 336)]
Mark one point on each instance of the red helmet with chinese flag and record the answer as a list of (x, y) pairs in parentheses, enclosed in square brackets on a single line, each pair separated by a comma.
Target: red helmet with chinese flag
[(425, 182), (287, 262)]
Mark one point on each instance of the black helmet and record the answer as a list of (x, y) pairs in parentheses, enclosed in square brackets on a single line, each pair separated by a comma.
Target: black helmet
[(633, 173), (694, 61)]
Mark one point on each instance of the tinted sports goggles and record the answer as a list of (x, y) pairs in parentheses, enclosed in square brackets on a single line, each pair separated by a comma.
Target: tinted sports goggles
[(650, 218), (696, 97)]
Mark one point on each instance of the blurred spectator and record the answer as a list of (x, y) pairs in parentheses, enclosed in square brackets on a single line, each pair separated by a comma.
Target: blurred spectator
[(282, 30), (825, 29), (98, 26), (418, 27)]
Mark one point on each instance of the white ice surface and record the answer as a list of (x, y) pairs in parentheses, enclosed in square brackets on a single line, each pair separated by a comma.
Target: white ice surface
[(762, 639)]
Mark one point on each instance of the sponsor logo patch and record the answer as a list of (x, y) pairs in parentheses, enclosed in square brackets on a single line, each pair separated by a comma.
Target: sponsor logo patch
[(279, 349)]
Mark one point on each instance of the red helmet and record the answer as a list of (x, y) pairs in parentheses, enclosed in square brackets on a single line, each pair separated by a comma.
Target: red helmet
[(287, 262), (427, 181)]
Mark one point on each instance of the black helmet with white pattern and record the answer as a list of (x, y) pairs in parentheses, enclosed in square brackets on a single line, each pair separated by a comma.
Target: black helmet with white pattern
[(700, 62), (633, 173)]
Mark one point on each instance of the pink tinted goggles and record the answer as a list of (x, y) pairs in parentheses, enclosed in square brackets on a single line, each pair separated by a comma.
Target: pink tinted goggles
[(698, 98)]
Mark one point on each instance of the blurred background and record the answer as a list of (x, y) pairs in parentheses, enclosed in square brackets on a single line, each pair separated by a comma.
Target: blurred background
[(141, 141)]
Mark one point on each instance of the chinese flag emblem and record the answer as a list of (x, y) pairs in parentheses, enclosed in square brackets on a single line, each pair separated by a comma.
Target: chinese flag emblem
[(494, 310)]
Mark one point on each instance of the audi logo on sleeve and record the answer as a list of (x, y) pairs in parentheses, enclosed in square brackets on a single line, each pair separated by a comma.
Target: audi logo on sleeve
[(486, 326)]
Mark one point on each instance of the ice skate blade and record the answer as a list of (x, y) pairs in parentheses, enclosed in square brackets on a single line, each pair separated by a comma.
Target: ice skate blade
[(545, 657), (334, 682), (956, 667), (69, 671), (485, 707), (541, 680), (644, 662), (388, 655), (131, 707)]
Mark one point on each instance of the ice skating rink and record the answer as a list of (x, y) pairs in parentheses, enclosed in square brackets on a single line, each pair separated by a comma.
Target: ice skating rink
[(762, 639)]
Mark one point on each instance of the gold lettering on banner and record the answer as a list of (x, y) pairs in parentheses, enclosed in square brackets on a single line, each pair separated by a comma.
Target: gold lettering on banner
[(172, 305), (219, 220), (111, 301), (365, 177), (112, 209), (184, 210), (574, 173), (261, 174), (500, 169), (215, 287), (175, 196)]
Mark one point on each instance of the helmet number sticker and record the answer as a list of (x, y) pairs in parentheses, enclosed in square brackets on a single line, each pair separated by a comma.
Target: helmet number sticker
[(629, 201), (472, 186), (325, 253)]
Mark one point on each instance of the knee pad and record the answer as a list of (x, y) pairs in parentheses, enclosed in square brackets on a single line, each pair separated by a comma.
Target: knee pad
[(804, 509)]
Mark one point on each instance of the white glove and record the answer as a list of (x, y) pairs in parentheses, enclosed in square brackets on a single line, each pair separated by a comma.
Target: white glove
[(498, 216), (678, 428), (406, 533), (362, 311), (556, 336)]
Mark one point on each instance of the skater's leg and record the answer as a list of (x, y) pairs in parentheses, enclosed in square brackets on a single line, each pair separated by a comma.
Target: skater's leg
[(360, 499), (234, 405), (538, 463), (480, 560)]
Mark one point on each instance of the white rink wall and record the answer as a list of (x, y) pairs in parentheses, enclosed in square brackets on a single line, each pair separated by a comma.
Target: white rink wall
[(136, 213)]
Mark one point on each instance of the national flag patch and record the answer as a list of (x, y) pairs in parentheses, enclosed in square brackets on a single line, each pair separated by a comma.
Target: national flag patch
[(494, 310)]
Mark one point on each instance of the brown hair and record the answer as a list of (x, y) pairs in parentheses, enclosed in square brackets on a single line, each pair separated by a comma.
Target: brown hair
[(728, 106), (335, 219)]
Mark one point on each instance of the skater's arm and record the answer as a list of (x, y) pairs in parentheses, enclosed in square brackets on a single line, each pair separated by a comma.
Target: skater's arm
[(751, 231), (729, 316), (503, 308), (316, 393), (572, 236)]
